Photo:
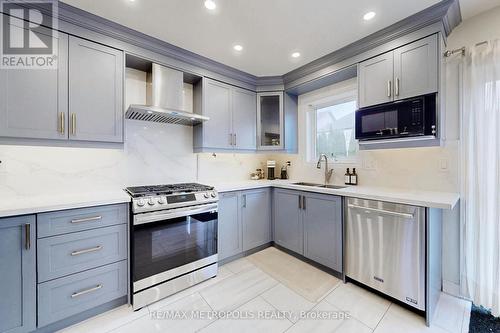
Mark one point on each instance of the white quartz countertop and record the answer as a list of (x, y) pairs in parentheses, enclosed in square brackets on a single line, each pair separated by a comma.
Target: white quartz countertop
[(432, 199), (17, 204), (11, 205)]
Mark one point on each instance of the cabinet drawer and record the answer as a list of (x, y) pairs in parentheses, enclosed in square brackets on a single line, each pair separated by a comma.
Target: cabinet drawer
[(67, 254), (66, 221), (64, 297)]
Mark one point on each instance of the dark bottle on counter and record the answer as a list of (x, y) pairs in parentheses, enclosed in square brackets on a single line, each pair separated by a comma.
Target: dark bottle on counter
[(347, 177), (354, 177)]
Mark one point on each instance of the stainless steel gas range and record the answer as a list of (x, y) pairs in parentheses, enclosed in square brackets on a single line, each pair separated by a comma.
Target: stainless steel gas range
[(173, 239)]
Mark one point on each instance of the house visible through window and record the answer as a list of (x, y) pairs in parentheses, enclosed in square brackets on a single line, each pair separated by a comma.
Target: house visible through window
[(334, 135)]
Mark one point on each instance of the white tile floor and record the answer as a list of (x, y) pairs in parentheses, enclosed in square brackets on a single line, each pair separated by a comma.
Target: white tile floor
[(265, 305)]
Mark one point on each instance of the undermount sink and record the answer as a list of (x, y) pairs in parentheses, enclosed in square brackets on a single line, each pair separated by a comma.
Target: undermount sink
[(307, 184), (335, 187)]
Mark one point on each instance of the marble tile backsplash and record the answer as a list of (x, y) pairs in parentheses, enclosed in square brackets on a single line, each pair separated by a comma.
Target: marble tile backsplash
[(152, 154)]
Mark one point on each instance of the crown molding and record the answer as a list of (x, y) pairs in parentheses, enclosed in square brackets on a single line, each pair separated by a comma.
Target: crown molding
[(446, 12)]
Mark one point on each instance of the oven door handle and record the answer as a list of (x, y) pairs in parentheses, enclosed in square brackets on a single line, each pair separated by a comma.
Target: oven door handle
[(173, 213)]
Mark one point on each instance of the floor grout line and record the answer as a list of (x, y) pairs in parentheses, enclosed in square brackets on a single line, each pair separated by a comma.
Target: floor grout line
[(383, 316)]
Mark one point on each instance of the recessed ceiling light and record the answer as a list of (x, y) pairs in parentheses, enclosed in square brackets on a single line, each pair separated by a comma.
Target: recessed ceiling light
[(368, 16), (238, 47), (295, 54), (210, 4)]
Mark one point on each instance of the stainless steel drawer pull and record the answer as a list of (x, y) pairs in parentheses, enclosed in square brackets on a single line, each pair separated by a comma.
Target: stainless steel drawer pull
[(87, 219), (382, 211), (86, 291), (27, 230), (92, 249)]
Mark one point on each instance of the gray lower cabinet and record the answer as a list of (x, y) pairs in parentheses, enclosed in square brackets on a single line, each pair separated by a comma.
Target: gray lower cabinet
[(288, 229), (244, 221), (34, 102), (64, 297), (256, 218), (95, 92), (81, 260), (68, 254), (323, 229), (309, 224), (18, 274), (230, 240)]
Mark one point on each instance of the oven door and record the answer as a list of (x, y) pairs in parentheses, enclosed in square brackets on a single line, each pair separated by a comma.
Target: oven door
[(167, 244)]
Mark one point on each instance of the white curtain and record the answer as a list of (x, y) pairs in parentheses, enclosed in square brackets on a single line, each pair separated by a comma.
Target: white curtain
[(481, 176)]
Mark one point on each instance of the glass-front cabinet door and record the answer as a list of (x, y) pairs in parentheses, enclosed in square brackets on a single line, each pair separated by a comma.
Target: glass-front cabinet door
[(270, 121)]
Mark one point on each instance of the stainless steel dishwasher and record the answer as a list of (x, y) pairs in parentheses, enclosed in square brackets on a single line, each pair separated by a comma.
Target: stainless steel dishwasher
[(385, 248)]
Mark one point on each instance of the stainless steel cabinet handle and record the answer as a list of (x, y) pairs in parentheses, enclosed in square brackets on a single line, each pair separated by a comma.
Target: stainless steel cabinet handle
[(230, 139), (382, 211), (27, 231), (234, 139), (300, 202), (61, 122), (87, 219), (304, 202), (389, 84), (73, 124), (396, 89), (86, 291), (244, 200), (92, 249)]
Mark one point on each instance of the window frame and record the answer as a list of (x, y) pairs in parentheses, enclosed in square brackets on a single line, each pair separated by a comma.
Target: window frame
[(311, 122)]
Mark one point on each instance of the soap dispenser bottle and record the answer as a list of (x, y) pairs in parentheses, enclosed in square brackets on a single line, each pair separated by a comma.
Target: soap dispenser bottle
[(354, 177), (347, 177)]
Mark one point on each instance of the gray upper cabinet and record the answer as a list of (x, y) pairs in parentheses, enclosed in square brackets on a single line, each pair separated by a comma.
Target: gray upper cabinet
[(95, 92), (270, 121), (232, 113), (375, 80), (323, 229), (18, 278), (256, 218), (34, 102), (416, 68), (217, 106), (244, 107), (288, 229), (408, 71), (230, 240)]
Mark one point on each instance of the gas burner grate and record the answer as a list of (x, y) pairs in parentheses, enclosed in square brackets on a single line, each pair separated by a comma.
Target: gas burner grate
[(139, 191)]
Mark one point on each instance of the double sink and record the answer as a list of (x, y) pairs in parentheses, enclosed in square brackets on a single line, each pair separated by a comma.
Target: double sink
[(335, 187)]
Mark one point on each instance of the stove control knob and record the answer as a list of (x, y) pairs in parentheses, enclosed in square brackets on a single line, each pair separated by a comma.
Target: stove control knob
[(161, 200), (213, 194), (205, 195), (151, 202), (141, 202)]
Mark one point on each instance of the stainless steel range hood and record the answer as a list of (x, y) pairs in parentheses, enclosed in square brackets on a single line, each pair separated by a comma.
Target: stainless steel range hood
[(164, 99)]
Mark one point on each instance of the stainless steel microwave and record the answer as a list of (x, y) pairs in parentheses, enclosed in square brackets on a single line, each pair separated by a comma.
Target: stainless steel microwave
[(411, 117)]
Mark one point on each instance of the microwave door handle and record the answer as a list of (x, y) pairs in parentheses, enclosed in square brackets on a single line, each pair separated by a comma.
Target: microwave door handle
[(180, 212)]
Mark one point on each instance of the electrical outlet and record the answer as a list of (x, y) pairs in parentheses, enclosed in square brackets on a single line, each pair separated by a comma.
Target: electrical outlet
[(443, 165), (369, 164)]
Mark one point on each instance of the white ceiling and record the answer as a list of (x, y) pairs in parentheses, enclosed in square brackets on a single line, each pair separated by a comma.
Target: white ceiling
[(471, 8), (269, 30)]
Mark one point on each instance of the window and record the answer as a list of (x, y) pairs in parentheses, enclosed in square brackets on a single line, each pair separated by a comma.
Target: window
[(332, 130)]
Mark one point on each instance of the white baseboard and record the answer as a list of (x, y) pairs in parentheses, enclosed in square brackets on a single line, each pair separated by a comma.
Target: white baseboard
[(451, 288)]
